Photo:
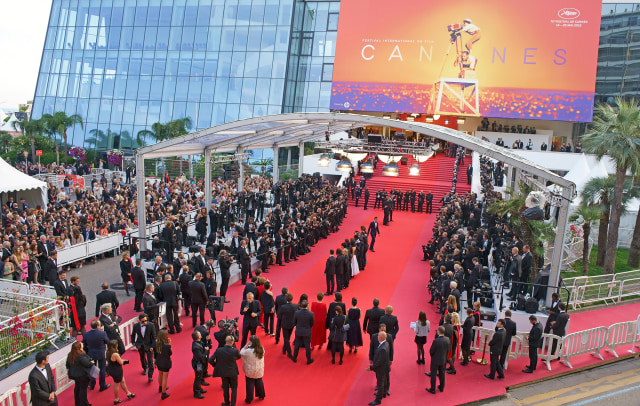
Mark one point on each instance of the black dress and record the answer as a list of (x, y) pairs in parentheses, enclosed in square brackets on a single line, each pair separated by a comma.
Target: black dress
[(354, 335), (115, 371), (163, 360)]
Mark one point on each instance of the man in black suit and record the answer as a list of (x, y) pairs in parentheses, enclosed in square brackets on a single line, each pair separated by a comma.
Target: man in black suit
[(106, 296), (280, 301), (526, 269), (372, 318), (373, 231), (139, 279), (337, 301), (373, 345), (251, 310), (95, 345), (150, 304), (201, 262), (474, 277), (391, 322), (303, 320), (42, 382), (495, 347), (510, 330), (44, 250), (198, 362), (553, 312), (469, 174), (50, 268), (225, 366), (381, 366), (61, 285), (168, 292), (184, 279), (244, 260), (109, 322), (330, 273), (438, 352), (559, 327), (286, 312), (143, 336), (429, 200), (535, 342), (199, 299), (251, 286)]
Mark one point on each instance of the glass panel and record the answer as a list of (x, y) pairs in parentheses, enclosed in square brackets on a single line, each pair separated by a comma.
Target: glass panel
[(259, 111), (224, 64), (222, 87), (277, 88), (168, 92), (165, 15), (178, 14), (166, 109), (204, 13), (204, 115), (282, 39), (185, 64), (271, 14), (192, 112), (120, 87), (129, 111), (240, 39), (144, 88), (262, 91), (125, 38), (82, 108), (226, 42), (135, 63), (327, 72), (175, 38), (156, 88), (147, 64), (330, 44), (187, 38), (105, 111), (108, 86), (173, 60), (150, 38), (333, 22), (285, 14), (208, 89), (217, 13), (85, 85), (210, 64), (162, 41), (181, 88), (190, 15), (213, 42), (257, 13), (255, 37), (266, 62), (251, 64), (123, 62), (248, 91), (279, 64), (141, 15), (195, 86), (142, 109), (132, 87), (201, 39), (94, 109), (154, 112), (232, 112), (237, 64), (246, 111), (179, 109), (235, 90), (244, 13), (153, 16)]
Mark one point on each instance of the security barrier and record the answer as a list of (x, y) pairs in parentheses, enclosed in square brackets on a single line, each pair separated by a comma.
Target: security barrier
[(636, 337), (629, 287), (621, 334), (591, 289), (584, 342), (599, 292)]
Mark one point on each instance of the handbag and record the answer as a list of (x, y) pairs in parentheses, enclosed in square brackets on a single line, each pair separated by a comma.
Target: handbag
[(94, 372), (345, 327)]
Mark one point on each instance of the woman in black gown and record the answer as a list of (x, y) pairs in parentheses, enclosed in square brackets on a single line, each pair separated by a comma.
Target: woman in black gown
[(354, 335), (163, 361), (114, 367)]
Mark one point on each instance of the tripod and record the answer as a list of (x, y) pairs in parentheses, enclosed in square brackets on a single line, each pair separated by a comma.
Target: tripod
[(455, 39)]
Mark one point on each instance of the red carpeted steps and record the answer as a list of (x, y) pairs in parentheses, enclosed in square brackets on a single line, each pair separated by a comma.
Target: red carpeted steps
[(435, 176)]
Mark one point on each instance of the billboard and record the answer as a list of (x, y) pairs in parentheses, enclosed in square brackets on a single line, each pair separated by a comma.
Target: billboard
[(493, 58)]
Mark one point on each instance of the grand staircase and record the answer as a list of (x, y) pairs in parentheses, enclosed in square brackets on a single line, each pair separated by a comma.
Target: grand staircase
[(435, 176)]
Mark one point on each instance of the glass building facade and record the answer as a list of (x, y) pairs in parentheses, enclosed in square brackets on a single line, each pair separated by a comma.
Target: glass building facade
[(125, 64)]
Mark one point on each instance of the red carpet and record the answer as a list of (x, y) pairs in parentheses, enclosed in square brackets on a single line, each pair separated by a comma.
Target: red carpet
[(396, 276)]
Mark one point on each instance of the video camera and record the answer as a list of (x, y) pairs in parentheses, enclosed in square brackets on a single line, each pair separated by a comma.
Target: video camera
[(229, 325), (454, 31)]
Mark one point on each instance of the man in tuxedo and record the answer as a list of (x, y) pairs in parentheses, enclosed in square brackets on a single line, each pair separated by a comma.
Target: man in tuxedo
[(168, 292), (373, 231), (184, 279), (510, 330), (372, 318), (535, 342), (469, 174), (6, 251), (372, 350), (391, 322), (198, 362), (286, 313), (199, 299), (150, 304), (552, 312), (303, 320), (143, 336), (51, 268), (495, 347), (95, 345), (438, 352), (381, 366), (429, 200), (44, 250), (244, 260), (515, 272), (330, 273), (224, 362), (42, 382), (106, 296), (251, 310), (139, 284), (559, 327), (109, 322), (61, 285), (526, 269), (366, 198)]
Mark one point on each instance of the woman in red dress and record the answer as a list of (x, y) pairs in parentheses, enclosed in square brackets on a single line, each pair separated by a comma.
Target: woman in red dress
[(318, 333)]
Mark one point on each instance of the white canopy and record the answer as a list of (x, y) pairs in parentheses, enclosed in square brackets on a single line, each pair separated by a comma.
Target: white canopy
[(33, 190)]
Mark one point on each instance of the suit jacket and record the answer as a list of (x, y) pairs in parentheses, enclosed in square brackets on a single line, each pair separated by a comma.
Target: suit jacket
[(381, 364), (150, 306), (110, 327), (250, 287), (254, 307), (439, 350), (391, 322), (526, 265), (168, 293), (330, 266), (510, 330), (106, 296), (198, 354), (374, 344), (95, 342), (371, 323), (139, 278), (147, 341), (303, 319), (62, 288), (560, 327), (198, 292), (280, 301), (51, 270), (184, 280), (224, 361), (373, 230), (286, 312), (41, 387), (535, 336), (243, 257), (497, 342)]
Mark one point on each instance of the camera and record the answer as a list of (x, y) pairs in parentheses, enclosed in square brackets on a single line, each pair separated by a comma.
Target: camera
[(228, 325), (454, 27)]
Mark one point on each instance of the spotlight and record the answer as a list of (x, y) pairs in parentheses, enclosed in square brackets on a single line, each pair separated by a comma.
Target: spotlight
[(323, 161), (414, 170), (436, 116), (344, 165), (366, 167), (391, 169)]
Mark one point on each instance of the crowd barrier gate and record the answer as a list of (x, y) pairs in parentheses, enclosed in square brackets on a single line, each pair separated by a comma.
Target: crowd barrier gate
[(583, 342)]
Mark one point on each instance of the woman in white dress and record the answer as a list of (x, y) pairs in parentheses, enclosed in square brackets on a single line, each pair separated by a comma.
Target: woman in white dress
[(355, 269)]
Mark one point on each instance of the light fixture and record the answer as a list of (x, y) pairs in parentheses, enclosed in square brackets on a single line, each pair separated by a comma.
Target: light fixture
[(355, 155), (461, 121), (391, 169), (410, 118), (386, 158), (323, 161), (436, 116), (366, 167), (415, 114), (429, 119), (446, 121), (386, 116), (414, 170), (344, 165), (423, 157)]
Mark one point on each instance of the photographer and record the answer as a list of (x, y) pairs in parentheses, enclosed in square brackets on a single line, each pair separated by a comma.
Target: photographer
[(205, 340), (224, 262), (228, 327)]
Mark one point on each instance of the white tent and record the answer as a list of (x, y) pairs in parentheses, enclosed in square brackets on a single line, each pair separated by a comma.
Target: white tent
[(13, 181)]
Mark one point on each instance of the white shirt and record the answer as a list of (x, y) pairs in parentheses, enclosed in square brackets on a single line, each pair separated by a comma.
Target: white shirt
[(471, 28), (44, 372)]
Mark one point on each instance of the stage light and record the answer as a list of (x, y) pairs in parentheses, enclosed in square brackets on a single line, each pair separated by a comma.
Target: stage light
[(410, 118), (366, 167), (355, 155), (446, 121), (323, 161), (429, 119), (414, 170), (461, 121), (386, 116), (344, 165), (391, 169), (436, 116)]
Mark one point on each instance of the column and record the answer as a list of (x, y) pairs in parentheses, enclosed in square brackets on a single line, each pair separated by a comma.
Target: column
[(140, 203), (558, 243), (300, 158), (241, 178), (207, 182), (276, 170), (190, 166)]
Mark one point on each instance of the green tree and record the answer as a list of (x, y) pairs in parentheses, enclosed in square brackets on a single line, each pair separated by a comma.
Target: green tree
[(615, 133), (58, 123), (161, 132), (585, 215), (5, 140), (266, 165), (23, 142), (29, 128)]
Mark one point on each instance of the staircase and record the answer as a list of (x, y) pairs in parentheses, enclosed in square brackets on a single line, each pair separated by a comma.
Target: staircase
[(435, 176)]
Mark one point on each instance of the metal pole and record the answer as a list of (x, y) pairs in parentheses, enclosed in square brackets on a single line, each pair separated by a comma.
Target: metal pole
[(141, 199), (300, 158), (190, 166), (207, 182), (241, 177), (276, 170), (558, 243)]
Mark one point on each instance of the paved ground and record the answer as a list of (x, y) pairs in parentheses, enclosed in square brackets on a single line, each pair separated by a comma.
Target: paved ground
[(613, 384)]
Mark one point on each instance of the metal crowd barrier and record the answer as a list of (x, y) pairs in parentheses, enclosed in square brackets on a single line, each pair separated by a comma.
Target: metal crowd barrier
[(626, 284), (621, 334), (544, 352), (584, 342), (89, 248), (592, 293)]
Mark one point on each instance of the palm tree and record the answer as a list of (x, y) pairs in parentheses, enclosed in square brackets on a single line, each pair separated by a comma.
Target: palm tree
[(615, 133), (30, 128), (586, 215), (266, 165), (59, 123), (5, 139), (161, 132)]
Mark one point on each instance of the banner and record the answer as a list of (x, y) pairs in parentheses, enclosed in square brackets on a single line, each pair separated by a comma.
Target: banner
[(493, 58)]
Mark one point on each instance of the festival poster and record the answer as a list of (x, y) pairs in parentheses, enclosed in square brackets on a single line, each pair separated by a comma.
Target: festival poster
[(493, 58)]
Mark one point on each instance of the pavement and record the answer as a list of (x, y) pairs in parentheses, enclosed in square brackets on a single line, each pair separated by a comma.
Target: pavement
[(617, 383)]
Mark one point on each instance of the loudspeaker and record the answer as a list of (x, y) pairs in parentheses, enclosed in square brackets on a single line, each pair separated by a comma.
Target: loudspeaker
[(404, 160), (216, 303), (374, 138)]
